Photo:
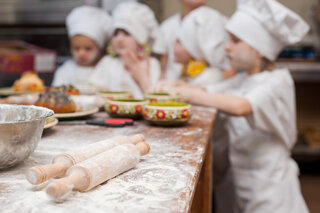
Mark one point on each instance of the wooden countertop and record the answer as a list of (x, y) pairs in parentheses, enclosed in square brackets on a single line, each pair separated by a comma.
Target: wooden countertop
[(165, 180)]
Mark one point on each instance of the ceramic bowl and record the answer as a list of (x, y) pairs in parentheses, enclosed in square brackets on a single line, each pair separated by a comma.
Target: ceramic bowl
[(162, 97), (167, 114), (108, 95), (20, 131), (126, 108)]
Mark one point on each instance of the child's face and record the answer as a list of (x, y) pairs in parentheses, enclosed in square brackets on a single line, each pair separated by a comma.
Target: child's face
[(193, 3), (241, 55), (122, 41), (181, 55), (84, 50)]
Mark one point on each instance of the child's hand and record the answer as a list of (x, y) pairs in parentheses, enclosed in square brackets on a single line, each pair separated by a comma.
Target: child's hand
[(135, 65), (139, 68), (187, 92), (162, 85)]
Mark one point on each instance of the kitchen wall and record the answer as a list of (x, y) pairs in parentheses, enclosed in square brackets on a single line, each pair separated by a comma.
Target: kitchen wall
[(227, 7), (43, 22)]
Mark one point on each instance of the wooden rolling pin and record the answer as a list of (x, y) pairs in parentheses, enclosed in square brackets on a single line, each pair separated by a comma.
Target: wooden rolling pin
[(61, 163), (98, 169)]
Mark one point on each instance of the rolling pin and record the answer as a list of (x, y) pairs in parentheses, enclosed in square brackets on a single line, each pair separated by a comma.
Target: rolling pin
[(98, 169), (61, 163)]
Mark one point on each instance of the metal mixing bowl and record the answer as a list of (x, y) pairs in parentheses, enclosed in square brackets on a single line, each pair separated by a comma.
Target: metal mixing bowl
[(20, 131)]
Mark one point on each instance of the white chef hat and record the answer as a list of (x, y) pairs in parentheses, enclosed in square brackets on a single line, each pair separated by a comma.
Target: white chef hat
[(137, 19), (202, 33), (266, 26), (89, 21)]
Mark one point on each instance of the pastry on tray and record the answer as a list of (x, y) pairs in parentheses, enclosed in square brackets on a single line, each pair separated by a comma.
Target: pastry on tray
[(57, 101), (29, 82), (69, 89)]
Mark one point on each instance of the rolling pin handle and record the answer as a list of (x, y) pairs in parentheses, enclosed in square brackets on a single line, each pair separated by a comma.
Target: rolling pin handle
[(40, 174), (61, 188), (137, 138), (143, 147)]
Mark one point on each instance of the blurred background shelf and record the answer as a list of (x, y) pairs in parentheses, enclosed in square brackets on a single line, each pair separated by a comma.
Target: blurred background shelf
[(302, 70), (306, 150)]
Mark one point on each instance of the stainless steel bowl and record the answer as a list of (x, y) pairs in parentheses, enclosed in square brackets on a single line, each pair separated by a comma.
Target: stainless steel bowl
[(20, 131)]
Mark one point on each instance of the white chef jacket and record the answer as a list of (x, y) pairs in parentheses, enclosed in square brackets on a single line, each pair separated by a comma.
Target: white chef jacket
[(264, 175), (168, 34), (70, 73), (112, 75)]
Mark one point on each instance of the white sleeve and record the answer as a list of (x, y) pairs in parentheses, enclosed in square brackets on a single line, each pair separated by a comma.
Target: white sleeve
[(100, 76), (273, 109), (220, 87), (227, 84), (63, 74), (160, 45), (208, 77), (155, 71)]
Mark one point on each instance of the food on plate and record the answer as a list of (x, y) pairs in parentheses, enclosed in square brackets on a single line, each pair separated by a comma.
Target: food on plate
[(57, 101), (29, 82), (69, 89)]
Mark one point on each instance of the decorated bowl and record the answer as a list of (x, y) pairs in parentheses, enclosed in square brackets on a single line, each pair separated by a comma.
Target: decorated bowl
[(167, 114), (126, 108), (20, 131), (162, 97), (108, 95)]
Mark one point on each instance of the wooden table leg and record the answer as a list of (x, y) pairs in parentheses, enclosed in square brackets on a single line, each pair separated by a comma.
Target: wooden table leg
[(202, 200)]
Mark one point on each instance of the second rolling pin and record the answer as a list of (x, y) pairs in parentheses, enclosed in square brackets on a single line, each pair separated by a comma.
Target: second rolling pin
[(98, 169), (61, 163)]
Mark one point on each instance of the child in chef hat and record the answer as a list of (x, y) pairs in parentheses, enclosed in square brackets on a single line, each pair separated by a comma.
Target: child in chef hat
[(88, 30), (168, 30), (200, 47), (257, 115), (129, 66)]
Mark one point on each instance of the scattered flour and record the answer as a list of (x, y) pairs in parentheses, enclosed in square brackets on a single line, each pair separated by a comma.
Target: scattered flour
[(163, 180)]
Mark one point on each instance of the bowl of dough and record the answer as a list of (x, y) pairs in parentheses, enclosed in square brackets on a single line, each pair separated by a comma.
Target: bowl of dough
[(21, 128), (167, 113)]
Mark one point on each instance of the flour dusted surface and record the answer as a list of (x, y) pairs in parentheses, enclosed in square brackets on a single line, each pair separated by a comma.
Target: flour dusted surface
[(163, 181)]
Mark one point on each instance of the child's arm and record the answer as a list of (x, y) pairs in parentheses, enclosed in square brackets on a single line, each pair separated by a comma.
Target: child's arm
[(227, 103), (163, 84)]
